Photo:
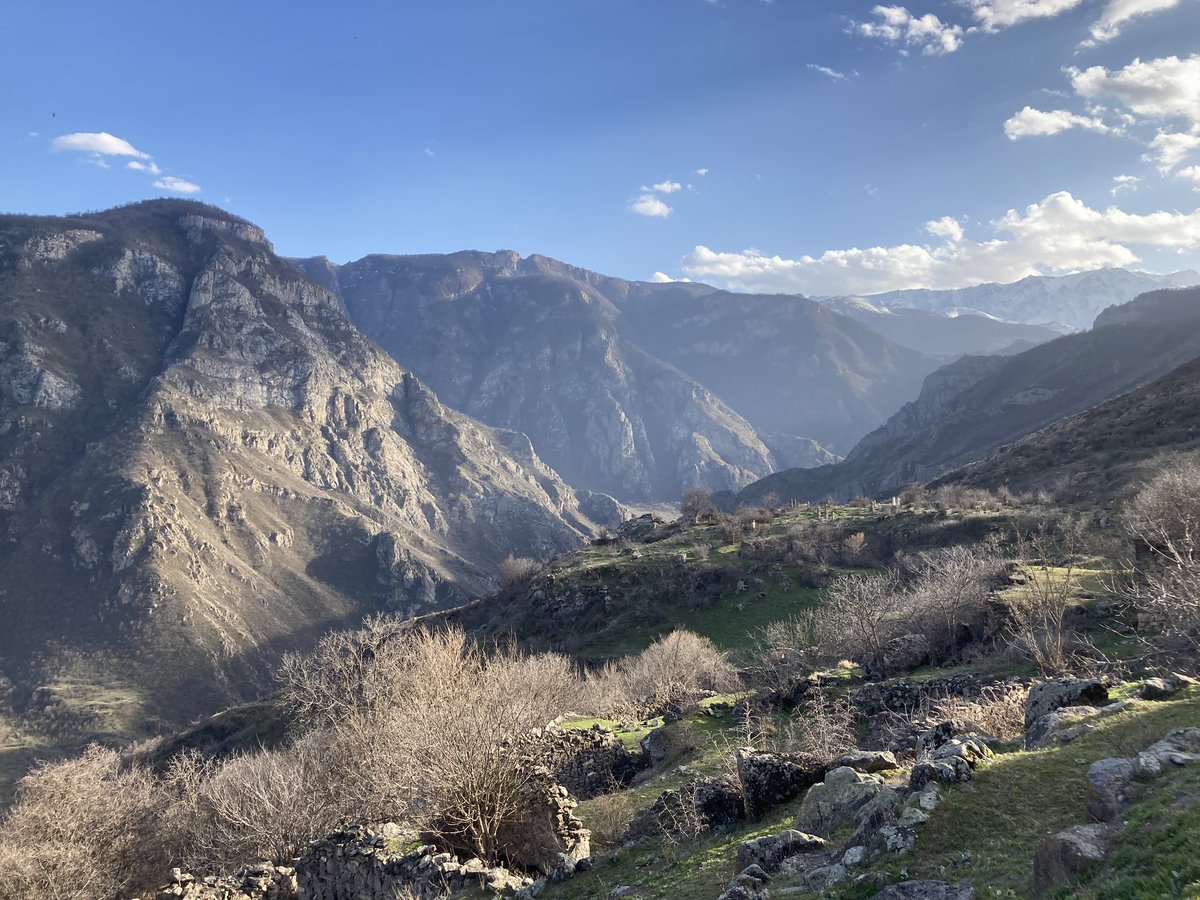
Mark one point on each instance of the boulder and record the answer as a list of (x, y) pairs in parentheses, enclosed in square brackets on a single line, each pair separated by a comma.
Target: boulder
[(927, 890), (1048, 696), (657, 745), (1109, 788), (1064, 856), (905, 653), (868, 761), (1047, 729), (944, 732), (951, 763), (1180, 747), (834, 802), (1157, 689), (768, 853), (770, 779), (698, 806)]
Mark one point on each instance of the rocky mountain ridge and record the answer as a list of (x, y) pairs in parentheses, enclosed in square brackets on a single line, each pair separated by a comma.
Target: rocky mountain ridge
[(203, 463)]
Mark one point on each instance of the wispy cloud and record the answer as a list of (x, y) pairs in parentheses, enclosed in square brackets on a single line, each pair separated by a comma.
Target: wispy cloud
[(664, 187), (177, 185), (1123, 183), (100, 142), (1119, 12), (832, 73), (150, 168)]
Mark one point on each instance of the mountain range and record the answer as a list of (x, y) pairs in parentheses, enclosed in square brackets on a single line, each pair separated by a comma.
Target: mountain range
[(1068, 302)]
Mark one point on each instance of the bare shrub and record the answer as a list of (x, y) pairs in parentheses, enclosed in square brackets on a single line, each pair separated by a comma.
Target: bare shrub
[(346, 674), (1164, 517), (1040, 607), (787, 650), (676, 670), (516, 570), (858, 617), (951, 591), (822, 728), (608, 818), (82, 829), (999, 711)]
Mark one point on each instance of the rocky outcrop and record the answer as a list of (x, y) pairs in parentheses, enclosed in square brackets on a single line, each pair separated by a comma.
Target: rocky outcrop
[(700, 805), (220, 467), (834, 802), (769, 852), (770, 779), (1048, 696)]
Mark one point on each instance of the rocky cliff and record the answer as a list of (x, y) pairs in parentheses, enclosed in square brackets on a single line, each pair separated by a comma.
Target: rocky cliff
[(203, 463), (534, 346)]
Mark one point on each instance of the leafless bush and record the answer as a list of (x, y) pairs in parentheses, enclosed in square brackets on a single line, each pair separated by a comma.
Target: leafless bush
[(1164, 517), (82, 829), (822, 728), (516, 570), (347, 674), (788, 649), (1039, 608), (949, 594), (999, 711), (676, 670), (608, 818), (858, 617)]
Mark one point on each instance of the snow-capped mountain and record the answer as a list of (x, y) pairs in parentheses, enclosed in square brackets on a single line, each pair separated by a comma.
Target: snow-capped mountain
[(1070, 302)]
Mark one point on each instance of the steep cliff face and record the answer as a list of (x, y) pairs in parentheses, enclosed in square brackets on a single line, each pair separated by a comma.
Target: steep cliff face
[(533, 345), (204, 463)]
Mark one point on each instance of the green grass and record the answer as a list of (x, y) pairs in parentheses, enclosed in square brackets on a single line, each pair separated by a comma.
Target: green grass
[(1158, 852), (988, 829)]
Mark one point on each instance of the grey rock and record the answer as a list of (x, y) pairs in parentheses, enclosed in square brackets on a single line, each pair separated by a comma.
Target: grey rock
[(1157, 689), (905, 653), (769, 852), (771, 779), (1063, 857), (927, 890), (1048, 696), (869, 761), (1109, 788), (1046, 729), (835, 801)]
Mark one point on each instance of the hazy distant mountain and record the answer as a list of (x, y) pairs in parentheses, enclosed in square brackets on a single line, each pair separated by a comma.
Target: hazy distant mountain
[(1071, 301), (950, 333), (204, 463), (534, 346), (973, 406), (1098, 456)]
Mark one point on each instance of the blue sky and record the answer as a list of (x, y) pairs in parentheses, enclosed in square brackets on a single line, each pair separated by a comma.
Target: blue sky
[(545, 125)]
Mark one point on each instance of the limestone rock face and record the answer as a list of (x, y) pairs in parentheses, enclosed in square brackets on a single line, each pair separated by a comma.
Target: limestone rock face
[(203, 463), (536, 347)]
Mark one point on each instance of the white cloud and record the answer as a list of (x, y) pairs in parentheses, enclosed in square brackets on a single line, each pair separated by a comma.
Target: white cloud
[(896, 25), (1165, 88), (702, 172), (1125, 183), (100, 142), (1192, 174), (1169, 149), (946, 227), (649, 205), (832, 73), (1118, 12), (176, 185), (995, 15), (148, 167), (664, 278), (665, 187), (1058, 234), (1031, 122)]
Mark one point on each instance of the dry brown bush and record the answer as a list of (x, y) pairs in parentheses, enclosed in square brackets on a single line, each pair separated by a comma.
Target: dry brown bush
[(676, 670), (858, 617), (950, 593), (516, 570), (608, 819), (822, 728), (1039, 610), (999, 711), (82, 829), (1164, 517)]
